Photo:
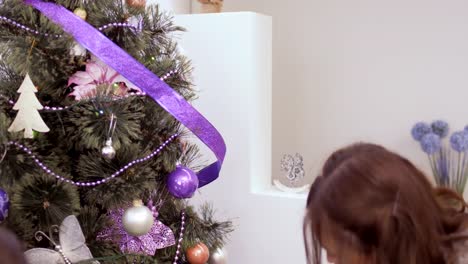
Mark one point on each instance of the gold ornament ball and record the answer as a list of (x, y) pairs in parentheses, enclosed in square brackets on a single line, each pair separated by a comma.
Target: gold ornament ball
[(138, 220), (80, 12), (198, 254), (136, 3)]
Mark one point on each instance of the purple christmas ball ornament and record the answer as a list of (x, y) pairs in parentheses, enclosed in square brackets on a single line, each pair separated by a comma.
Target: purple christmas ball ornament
[(4, 205), (182, 182)]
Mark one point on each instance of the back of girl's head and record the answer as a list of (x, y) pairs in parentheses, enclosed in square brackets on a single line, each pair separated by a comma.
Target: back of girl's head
[(370, 203), (11, 251)]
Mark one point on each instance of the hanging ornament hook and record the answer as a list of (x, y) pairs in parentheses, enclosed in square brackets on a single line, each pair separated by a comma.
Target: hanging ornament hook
[(112, 126), (32, 47), (108, 151), (5, 150)]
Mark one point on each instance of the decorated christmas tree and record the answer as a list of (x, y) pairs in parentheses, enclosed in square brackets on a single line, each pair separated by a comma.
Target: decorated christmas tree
[(96, 164)]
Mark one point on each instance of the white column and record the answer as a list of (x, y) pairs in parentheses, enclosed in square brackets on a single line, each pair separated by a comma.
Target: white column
[(232, 57)]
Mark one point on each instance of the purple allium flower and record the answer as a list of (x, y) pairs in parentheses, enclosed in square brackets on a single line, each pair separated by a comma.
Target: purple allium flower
[(440, 128), (430, 143), (419, 130), (459, 141), (466, 128)]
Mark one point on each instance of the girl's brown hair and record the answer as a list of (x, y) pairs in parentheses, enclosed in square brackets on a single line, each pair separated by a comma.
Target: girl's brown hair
[(11, 251), (381, 206)]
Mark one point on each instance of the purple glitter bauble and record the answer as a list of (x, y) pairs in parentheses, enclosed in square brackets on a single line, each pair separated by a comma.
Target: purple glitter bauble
[(4, 205), (182, 182)]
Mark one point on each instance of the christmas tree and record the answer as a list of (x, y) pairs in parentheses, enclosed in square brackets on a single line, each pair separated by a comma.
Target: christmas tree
[(115, 157)]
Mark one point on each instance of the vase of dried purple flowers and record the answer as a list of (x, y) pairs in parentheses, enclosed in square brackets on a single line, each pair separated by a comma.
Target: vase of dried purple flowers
[(448, 160)]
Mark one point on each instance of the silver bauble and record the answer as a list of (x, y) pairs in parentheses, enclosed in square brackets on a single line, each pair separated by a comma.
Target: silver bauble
[(218, 257), (108, 152), (137, 220)]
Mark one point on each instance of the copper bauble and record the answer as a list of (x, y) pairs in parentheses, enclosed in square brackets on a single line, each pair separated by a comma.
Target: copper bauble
[(198, 254)]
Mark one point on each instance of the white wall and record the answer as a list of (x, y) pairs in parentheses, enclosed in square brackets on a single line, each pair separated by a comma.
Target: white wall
[(355, 70), (174, 6), (363, 70)]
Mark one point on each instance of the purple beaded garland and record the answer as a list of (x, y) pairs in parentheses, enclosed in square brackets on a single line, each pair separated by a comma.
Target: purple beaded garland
[(16, 24), (181, 237), (59, 108), (87, 184)]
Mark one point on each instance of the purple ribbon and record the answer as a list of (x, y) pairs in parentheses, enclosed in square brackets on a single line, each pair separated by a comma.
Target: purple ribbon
[(135, 72)]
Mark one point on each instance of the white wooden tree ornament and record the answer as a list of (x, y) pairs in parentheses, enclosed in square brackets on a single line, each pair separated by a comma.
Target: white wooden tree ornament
[(28, 117)]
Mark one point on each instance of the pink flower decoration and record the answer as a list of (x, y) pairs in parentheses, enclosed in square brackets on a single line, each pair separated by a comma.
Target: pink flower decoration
[(98, 73)]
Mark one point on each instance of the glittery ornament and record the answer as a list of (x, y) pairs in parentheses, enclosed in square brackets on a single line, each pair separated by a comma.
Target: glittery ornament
[(293, 166), (4, 205), (81, 13), (158, 237), (198, 254), (182, 182), (136, 3)]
